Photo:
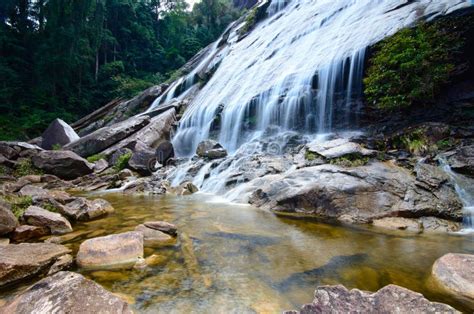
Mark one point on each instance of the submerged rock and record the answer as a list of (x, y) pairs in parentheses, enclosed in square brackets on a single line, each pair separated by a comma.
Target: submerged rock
[(37, 216), (84, 209), (20, 261), (114, 251), (64, 164), (66, 292), (163, 226), (58, 133), (210, 149), (153, 237), (423, 224), (359, 194), (389, 299), (455, 273)]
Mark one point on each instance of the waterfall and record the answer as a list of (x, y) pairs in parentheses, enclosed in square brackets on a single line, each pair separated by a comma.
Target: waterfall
[(300, 69), (465, 189)]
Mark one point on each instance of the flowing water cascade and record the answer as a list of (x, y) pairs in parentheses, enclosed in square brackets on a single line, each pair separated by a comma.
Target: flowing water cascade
[(465, 189), (298, 70)]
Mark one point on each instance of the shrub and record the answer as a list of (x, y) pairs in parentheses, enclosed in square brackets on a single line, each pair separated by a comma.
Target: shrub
[(57, 147), (122, 161), (412, 65), (25, 167), (95, 158), (351, 160), (310, 156), (19, 204)]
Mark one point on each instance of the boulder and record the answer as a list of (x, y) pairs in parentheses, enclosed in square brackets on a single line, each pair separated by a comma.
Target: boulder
[(143, 159), (66, 292), (64, 164), (338, 148), (62, 263), (116, 155), (164, 152), (455, 273), (105, 137), (153, 237), (100, 165), (389, 299), (114, 251), (58, 133), (26, 232), (39, 217), (125, 173), (20, 261), (359, 194), (8, 221), (162, 226), (210, 149), (463, 160), (33, 191), (13, 150), (84, 209)]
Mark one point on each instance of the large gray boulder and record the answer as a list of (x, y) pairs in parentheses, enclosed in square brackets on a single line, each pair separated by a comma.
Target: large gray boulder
[(389, 299), (359, 194), (39, 217), (58, 133), (20, 261), (455, 273), (338, 148), (143, 158), (114, 251), (66, 292), (8, 221), (63, 164), (103, 138)]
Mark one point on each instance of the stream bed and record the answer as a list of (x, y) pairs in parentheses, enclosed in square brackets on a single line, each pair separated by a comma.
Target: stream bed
[(238, 259)]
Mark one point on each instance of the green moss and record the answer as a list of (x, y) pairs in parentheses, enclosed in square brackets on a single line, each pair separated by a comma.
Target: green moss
[(310, 156), (122, 161), (49, 207), (351, 160), (95, 158), (411, 66), (445, 144), (19, 204), (250, 21), (25, 167), (57, 147)]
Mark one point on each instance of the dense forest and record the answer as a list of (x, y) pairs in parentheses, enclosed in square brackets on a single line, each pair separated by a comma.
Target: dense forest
[(65, 58)]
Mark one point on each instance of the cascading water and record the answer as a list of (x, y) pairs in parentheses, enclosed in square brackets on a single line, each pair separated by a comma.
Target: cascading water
[(299, 69), (465, 190)]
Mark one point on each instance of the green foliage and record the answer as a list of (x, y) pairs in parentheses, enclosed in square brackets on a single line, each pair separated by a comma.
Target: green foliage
[(25, 167), (446, 144), (95, 158), (122, 162), (19, 204), (66, 58), (57, 147), (250, 21), (351, 160), (412, 65), (415, 142), (310, 156)]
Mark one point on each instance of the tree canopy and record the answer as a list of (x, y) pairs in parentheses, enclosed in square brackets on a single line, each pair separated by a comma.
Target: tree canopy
[(65, 58)]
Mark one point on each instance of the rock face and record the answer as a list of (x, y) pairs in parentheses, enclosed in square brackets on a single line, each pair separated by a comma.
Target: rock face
[(63, 164), (58, 133), (455, 273), (338, 148), (389, 299), (66, 292), (8, 221), (103, 138), (84, 209), (142, 158), (19, 261), (115, 251), (210, 149), (164, 152), (463, 160), (359, 194), (25, 232), (153, 237), (37, 216)]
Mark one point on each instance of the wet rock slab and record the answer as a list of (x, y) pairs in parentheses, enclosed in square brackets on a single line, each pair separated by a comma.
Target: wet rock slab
[(455, 273), (20, 261), (66, 292), (114, 251), (39, 217), (389, 299)]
